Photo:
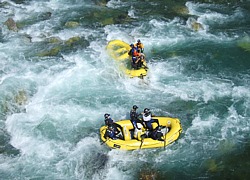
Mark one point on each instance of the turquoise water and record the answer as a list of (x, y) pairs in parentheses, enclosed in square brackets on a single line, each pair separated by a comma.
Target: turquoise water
[(57, 81)]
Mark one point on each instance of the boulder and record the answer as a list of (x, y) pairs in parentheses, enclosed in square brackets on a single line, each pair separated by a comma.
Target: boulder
[(197, 26), (244, 43), (11, 24), (21, 97), (71, 24), (51, 52)]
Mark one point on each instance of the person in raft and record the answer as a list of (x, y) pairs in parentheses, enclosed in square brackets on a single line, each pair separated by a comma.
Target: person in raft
[(147, 119), (139, 46), (156, 134), (137, 61), (136, 57), (140, 49), (110, 123), (111, 133), (132, 52), (134, 117)]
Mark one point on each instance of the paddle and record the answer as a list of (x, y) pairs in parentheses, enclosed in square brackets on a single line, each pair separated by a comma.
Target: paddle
[(165, 137), (142, 139), (165, 141), (145, 66)]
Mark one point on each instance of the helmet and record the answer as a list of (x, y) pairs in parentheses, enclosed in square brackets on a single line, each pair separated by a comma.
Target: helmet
[(135, 107), (146, 111), (131, 45), (138, 40), (106, 115)]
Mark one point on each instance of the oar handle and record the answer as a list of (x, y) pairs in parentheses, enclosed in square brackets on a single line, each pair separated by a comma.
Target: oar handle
[(141, 143)]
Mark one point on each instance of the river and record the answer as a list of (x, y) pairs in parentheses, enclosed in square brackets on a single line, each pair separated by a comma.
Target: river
[(57, 81)]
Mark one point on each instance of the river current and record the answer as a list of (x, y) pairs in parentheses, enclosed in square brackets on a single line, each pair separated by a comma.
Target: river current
[(57, 81)]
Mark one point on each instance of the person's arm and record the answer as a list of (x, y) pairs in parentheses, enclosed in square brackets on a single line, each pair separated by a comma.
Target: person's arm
[(106, 135), (137, 60)]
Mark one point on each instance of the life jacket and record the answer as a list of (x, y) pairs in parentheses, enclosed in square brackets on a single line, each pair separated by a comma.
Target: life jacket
[(132, 51), (138, 132), (108, 121), (139, 45), (133, 115), (110, 133), (135, 53), (156, 134), (146, 117)]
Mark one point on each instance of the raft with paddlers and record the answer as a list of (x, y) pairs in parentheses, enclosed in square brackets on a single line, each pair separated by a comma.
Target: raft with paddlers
[(119, 50), (168, 131)]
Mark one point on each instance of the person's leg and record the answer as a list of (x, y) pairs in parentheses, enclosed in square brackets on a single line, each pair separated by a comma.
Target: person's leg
[(134, 65), (139, 63), (156, 120), (149, 125), (117, 128), (134, 123)]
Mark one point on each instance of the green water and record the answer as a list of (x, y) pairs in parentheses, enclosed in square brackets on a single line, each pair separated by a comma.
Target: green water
[(57, 81)]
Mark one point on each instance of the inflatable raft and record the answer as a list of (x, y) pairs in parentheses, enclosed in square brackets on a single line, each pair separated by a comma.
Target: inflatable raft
[(118, 50), (131, 140)]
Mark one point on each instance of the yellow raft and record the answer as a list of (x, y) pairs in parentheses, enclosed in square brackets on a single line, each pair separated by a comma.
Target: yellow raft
[(130, 141), (118, 50)]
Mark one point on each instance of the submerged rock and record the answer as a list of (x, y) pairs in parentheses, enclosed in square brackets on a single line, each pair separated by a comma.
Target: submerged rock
[(54, 40), (101, 2), (94, 164), (38, 17), (244, 43), (51, 52), (5, 146), (21, 97), (44, 16), (71, 24), (27, 38), (148, 175), (196, 26), (213, 166), (11, 24), (3, 4), (108, 17), (15, 103), (5, 107), (72, 41), (108, 21), (181, 10), (55, 46)]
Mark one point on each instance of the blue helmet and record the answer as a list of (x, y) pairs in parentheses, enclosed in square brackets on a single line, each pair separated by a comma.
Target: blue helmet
[(131, 45), (138, 40)]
